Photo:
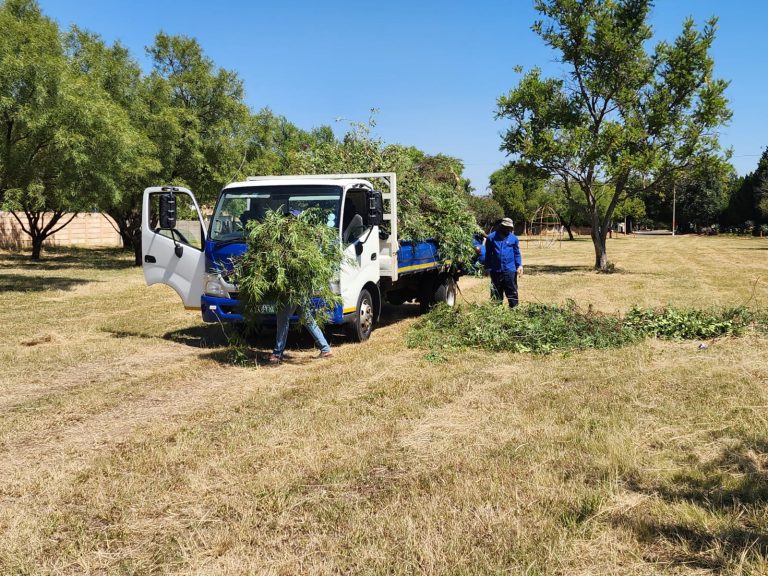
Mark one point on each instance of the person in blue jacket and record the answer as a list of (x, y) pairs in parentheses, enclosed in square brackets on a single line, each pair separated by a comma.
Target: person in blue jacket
[(504, 262)]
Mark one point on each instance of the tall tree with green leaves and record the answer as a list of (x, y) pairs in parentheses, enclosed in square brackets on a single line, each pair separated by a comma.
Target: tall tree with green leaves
[(64, 140), (120, 76), (748, 203), (206, 144), (623, 120), (518, 193), (189, 116)]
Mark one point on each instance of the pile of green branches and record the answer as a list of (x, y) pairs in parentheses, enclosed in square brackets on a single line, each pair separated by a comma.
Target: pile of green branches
[(289, 261), (432, 200), (542, 329)]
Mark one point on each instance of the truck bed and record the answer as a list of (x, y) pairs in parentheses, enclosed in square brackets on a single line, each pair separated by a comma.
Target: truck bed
[(417, 256)]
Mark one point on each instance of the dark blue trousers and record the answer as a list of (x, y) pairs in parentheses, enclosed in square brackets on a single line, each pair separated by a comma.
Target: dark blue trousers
[(504, 283)]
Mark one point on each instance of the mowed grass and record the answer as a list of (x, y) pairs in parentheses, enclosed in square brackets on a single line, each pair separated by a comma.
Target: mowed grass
[(130, 444)]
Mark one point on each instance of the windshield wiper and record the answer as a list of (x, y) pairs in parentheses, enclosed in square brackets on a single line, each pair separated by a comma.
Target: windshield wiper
[(230, 241)]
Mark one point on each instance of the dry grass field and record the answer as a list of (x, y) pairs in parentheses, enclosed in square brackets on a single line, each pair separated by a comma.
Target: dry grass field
[(130, 443)]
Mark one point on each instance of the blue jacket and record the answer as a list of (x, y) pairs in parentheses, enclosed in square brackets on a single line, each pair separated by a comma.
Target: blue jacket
[(502, 252)]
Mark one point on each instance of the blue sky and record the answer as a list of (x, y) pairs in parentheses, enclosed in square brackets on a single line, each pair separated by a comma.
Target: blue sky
[(432, 69)]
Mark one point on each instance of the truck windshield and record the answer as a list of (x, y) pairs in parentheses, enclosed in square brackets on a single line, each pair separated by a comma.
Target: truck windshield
[(239, 205)]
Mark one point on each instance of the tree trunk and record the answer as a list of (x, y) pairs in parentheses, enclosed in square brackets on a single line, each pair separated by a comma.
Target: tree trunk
[(137, 252), (568, 229), (129, 228), (599, 236), (37, 246)]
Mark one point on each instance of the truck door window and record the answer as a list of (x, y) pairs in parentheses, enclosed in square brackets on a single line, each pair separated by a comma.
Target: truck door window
[(353, 223), (187, 230)]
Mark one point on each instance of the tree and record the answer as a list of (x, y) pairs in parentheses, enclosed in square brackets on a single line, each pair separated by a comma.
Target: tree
[(630, 210), (207, 145), (190, 118), (622, 121), (748, 201), (486, 211), (64, 139), (519, 193), (120, 76), (274, 144), (569, 206)]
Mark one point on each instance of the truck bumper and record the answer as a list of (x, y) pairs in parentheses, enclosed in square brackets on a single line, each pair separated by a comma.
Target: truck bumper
[(227, 310)]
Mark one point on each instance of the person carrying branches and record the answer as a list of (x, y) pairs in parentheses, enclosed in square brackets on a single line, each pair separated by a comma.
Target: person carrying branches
[(290, 262)]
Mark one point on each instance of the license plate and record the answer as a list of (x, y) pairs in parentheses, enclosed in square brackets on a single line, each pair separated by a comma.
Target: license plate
[(265, 308)]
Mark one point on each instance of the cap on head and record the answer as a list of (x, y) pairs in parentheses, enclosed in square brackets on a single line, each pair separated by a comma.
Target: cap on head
[(507, 223)]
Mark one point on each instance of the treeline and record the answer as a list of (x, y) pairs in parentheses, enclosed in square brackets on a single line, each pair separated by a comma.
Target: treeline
[(84, 128), (707, 201)]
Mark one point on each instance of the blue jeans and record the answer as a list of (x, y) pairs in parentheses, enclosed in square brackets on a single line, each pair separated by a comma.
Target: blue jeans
[(284, 323), (504, 283)]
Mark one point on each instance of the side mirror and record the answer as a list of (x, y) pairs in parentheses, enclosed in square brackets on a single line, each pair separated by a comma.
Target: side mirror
[(167, 210), (358, 248), (375, 204)]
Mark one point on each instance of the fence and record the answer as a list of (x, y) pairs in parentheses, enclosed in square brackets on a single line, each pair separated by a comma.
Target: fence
[(86, 229)]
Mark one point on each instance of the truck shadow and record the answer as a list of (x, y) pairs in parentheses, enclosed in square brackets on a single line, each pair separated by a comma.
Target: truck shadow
[(26, 283), (229, 345), (391, 314)]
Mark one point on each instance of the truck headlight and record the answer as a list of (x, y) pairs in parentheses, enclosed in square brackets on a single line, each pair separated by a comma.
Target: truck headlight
[(213, 286)]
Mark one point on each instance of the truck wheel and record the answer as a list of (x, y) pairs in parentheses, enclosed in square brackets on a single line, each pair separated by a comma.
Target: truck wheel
[(362, 326), (446, 291)]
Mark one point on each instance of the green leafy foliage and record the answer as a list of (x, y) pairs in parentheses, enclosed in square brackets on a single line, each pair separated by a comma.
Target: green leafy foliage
[(432, 196), (535, 328), (486, 210), (520, 194), (674, 323), (65, 139), (620, 121), (289, 261), (542, 329)]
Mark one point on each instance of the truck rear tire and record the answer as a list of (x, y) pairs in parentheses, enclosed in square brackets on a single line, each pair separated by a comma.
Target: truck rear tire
[(361, 327), (445, 292)]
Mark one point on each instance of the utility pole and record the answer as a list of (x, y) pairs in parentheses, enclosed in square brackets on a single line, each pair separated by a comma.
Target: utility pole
[(674, 203)]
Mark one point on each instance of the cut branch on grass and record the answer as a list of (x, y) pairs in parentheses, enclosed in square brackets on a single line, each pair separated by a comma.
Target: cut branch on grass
[(542, 329)]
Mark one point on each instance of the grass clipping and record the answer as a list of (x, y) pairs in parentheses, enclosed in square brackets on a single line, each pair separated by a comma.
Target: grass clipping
[(541, 329), (289, 261)]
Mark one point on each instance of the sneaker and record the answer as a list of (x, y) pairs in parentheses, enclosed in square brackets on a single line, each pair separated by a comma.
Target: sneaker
[(274, 360), (328, 354)]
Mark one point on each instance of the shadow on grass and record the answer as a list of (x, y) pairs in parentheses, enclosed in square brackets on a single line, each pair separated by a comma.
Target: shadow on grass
[(733, 487), (555, 269), (253, 348), (26, 283), (256, 345), (57, 258), (391, 314)]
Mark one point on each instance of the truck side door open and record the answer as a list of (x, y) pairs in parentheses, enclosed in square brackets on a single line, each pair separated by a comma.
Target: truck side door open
[(172, 242)]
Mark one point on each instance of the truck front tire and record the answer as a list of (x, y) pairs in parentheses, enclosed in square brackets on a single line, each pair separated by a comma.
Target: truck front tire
[(361, 327)]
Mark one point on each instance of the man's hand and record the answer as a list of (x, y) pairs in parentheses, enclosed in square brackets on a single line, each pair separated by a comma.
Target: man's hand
[(520, 271)]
